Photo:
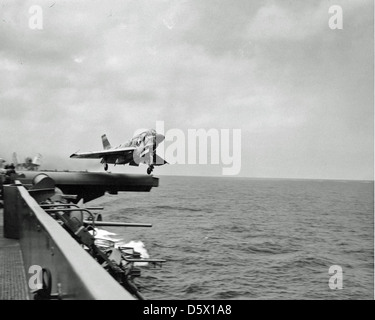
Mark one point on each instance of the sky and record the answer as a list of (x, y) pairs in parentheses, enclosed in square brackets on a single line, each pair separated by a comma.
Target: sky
[(301, 93)]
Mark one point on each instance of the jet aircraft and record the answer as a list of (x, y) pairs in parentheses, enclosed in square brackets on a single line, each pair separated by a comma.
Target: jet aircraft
[(140, 149)]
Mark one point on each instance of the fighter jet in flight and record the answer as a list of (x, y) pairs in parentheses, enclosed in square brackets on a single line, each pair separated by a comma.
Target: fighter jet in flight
[(140, 149)]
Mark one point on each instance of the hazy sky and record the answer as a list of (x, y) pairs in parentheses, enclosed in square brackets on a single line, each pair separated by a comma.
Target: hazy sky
[(301, 93)]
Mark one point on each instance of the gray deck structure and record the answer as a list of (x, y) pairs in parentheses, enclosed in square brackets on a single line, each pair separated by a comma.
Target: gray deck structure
[(30, 237), (13, 284)]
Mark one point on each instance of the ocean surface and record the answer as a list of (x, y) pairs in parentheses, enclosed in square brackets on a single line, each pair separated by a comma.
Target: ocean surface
[(241, 238)]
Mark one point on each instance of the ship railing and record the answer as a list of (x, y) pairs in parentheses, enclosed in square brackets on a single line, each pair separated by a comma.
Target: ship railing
[(67, 271)]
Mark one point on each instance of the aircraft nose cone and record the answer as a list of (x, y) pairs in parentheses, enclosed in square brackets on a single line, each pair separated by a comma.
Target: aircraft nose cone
[(159, 138)]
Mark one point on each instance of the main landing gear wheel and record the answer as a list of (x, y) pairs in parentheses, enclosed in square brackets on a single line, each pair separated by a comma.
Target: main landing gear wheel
[(106, 167), (150, 169)]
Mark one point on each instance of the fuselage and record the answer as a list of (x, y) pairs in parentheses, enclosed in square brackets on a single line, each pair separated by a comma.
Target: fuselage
[(147, 139), (136, 141)]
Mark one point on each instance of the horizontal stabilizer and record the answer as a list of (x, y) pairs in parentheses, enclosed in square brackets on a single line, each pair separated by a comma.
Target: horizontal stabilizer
[(133, 163), (158, 161)]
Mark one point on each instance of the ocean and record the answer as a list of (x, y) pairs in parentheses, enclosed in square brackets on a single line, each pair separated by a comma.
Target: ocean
[(241, 238)]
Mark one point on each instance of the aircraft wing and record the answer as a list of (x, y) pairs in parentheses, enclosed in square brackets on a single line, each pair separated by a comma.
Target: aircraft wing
[(146, 260), (103, 153)]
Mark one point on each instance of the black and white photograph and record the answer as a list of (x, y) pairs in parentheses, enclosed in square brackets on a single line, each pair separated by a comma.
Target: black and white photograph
[(200, 151)]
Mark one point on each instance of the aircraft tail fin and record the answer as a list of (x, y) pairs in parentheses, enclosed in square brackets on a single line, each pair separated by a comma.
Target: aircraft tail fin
[(15, 159), (37, 160), (106, 144)]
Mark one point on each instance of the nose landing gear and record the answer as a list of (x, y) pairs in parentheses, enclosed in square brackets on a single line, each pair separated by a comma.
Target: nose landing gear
[(150, 169), (106, 167)]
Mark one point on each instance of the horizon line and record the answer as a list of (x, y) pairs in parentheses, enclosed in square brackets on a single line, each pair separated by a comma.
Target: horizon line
[(264, 178)]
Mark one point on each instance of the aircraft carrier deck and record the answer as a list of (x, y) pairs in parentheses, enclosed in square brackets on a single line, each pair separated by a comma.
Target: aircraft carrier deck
[(13, 284), (37, 230)]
